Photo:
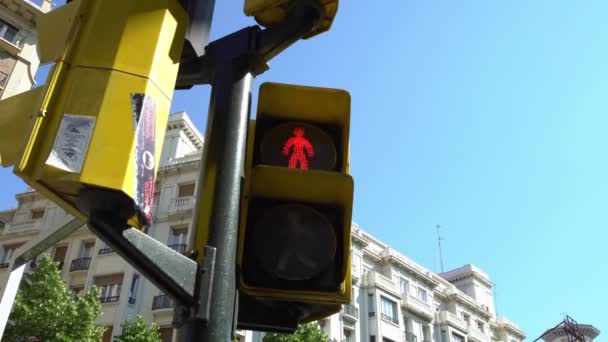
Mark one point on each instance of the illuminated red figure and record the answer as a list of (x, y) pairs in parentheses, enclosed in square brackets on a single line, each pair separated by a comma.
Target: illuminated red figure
[(301, 148)]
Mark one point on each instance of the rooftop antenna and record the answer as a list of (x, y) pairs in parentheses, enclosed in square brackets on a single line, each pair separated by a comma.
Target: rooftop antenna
[(439, 238)]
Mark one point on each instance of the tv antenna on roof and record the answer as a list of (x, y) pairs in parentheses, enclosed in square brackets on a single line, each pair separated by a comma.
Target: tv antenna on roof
[(439, 238)]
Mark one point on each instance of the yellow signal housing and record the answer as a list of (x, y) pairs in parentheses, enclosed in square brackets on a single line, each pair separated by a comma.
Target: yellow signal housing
[(269, 13), (328, 192), (91, 137)]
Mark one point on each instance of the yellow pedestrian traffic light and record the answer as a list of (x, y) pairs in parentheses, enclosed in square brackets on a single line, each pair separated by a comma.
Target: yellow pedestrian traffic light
[(90, 138), (294, 240)]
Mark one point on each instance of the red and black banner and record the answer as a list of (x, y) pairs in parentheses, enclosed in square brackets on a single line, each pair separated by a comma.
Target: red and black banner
[(144, 119)]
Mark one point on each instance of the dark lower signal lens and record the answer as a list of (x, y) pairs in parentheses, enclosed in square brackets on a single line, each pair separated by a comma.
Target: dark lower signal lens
[(294, 242)]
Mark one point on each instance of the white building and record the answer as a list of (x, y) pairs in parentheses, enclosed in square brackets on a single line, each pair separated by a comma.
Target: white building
[(394, 298), (18, 38)]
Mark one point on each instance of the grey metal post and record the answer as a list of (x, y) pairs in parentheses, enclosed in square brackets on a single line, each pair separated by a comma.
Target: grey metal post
[(218, 201)]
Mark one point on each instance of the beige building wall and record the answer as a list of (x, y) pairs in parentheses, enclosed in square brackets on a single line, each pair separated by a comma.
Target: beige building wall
[(18, 40)]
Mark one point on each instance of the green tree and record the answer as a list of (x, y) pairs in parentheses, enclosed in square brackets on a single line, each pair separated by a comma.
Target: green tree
[(136, 330), (310, 332), (44, 308)]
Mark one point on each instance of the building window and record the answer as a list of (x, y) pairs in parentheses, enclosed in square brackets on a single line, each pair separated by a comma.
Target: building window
[(457, 338), (59, 255), (388, 310), (109, 287), (3, 80), (480, 325), (86, 250), (8, 255), (404, 285), (356, 265), (133, 289), (166, 334), (178, 239), (467, 318), (8, 31), (185, 190), (347, 336), (107, 334), (422, 294), (37, 214), (372, 338), (77, 291)]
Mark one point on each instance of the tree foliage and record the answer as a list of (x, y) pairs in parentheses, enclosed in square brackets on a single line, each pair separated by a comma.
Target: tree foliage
[(44, 308), (136, 330), (310, 332)]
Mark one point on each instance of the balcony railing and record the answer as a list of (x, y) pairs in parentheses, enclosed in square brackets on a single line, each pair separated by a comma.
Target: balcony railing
[(105, 300), (350, 311), (389, 318), (106, 250), (451, 319), (22, 227), (162, 302), (476, 334), (4, 265), (179, 247), (416, 305), (181, 204), (377, 279), (80, 264)]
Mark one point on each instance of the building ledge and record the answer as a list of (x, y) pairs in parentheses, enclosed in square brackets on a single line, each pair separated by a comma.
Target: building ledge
[(10, 47)]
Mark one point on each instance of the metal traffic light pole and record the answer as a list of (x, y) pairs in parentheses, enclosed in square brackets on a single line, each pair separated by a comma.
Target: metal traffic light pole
[(229, 65)]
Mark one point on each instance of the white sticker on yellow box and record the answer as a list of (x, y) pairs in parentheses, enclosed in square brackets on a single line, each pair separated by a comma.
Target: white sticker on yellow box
[(71, 143)]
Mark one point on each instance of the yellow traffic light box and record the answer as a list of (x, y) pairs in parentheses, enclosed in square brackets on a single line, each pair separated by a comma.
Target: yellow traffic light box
[(294, 241), (270, 13), (90, 138)]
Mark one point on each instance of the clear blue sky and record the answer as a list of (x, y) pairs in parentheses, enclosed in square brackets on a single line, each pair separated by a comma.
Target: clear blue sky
[(487, 117)]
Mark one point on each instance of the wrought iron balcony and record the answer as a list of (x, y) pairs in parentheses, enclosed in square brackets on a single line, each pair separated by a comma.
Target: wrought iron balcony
[(105, 300), (350, 311), (162, 302), (179, 247), (80, 264)]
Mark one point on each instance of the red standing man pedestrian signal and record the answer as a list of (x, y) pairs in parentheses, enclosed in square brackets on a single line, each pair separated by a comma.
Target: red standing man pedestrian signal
[(300, 148)]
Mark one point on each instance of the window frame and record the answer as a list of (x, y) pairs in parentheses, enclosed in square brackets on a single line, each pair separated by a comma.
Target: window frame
[(404, 290), (34, 213), (179, 189), (423, 293), (395, 310)]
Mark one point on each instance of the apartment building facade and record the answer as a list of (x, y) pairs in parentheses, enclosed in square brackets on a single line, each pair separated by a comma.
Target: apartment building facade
[(18, 39), (394, 298)]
